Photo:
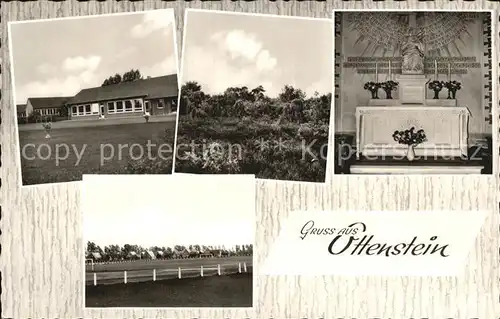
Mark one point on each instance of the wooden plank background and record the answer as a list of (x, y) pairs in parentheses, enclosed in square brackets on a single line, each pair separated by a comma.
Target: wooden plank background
[(42, 254)]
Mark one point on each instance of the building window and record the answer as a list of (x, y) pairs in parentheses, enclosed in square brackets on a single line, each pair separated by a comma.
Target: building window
[(74, 110), (87, 109), (138, 106), (119, 106), (80, 110), (128, 106), (161, 103), (95, 108), (111, 107)]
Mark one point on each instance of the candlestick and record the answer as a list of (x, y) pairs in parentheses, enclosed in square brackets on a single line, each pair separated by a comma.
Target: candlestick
[(449, 72), (376, 72), (435, 70), (390, 73)]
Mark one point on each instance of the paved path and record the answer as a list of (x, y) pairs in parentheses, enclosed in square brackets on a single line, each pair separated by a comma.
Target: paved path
[(94, 123)]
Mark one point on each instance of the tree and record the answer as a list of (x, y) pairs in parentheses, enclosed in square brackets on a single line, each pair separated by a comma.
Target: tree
[(34, 117), (191, 98), (117, 78), (125, 251), (289, 93), (258, 92), (112, 252), (131, 75), (91, 247), (63, 111), (168, 252)]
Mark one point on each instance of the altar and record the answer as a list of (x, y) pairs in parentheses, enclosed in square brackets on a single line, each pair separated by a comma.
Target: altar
[(409, 121), (446, 129)]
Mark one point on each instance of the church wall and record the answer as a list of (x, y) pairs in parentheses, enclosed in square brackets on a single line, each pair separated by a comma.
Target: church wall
[(351, 82)]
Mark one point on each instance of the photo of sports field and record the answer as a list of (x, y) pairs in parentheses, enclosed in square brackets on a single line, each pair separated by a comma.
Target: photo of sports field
[(190, 282)]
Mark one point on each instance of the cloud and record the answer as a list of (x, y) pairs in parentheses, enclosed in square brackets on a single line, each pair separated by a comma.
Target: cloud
[(80, 63), (265, 61), (55, 86), (46, 68), (241, 44), (216, 73), (153, 21), (322, 86), (235, 58), (165, 67)]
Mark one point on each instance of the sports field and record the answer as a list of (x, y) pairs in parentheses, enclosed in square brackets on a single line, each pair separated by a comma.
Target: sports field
[(212, 291), (94, 147), (142, 270), (229, 289)]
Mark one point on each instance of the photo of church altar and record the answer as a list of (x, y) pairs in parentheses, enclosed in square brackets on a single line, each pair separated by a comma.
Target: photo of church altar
[(413, 92)]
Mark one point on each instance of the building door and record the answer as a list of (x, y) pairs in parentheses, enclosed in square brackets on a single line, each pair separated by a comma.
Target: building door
[(102, 109), (148, 106)]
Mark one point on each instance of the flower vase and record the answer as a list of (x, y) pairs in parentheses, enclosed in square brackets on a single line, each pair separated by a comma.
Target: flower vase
[(453, 94), (388, 94), (436, 94), (410, 153), (374, 94), (48, 134)]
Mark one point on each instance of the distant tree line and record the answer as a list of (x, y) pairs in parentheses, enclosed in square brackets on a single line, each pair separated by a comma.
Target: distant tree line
[(131, 252), (291, 104), (128, 76)]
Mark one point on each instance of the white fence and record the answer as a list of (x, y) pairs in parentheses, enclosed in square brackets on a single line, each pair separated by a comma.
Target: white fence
[(147, 275)]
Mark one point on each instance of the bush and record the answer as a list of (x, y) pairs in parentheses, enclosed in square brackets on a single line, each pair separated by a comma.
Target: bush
[(272, 144)]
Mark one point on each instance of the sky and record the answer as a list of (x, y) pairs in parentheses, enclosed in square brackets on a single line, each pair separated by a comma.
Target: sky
[(169, 210), (223, 50), (62, 56)]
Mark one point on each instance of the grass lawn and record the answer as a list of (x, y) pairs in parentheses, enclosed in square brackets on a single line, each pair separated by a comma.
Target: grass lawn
[(211, 291), (101, 149)]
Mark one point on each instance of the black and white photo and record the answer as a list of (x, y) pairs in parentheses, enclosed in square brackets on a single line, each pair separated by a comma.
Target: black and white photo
[(95, 95), (255, 95), (413, 92), (168, 241)]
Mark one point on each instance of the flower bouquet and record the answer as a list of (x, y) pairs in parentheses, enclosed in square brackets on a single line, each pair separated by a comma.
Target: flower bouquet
[(373, 88), (388, 87), (411, 138), (453, 87), (436, 86), (47, 126)]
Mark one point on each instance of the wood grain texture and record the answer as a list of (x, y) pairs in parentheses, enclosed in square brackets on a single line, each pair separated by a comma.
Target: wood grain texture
[(42, 254)]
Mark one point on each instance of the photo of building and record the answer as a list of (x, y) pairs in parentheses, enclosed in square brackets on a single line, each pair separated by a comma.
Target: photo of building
[(157, 96), (109, 102)]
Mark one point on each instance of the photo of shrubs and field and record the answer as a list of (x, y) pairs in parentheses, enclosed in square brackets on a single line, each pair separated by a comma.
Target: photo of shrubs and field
[(178, 276), (255, 96), (243, 131)]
